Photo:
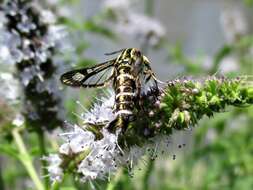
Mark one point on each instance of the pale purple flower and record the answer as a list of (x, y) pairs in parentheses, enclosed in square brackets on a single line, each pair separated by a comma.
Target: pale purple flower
[(19, 120), (229, 64), (142, 27), (96, 116), (234, 23), (134, 24), (48, 17), (54, 169), (9, 89)]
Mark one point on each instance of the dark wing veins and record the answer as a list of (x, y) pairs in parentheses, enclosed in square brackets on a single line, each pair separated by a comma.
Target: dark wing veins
[(96, 76)]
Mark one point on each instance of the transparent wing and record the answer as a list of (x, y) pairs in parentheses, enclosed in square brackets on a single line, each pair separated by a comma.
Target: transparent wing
[(148, 78), (96, 76), (147, 82)]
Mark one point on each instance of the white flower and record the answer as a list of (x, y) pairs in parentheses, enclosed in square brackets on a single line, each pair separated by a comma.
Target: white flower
[(54, 169), (61, 9), (234, 23), (102, 158), (2, 20), (207, 62), (19, 120), (9, 89), (102, 153), (116, 4), (142, 27), (26, 25), (101, 112), (57, 38), (47, 17), (79, 140), (53, 2), (135, 25), (229, 64), (5, 54), (49, 86), (9, 53), (29, 73), (12, 8), (120, 8)]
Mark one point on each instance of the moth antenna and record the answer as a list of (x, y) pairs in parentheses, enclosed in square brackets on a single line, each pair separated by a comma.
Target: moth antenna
[(114, 52)]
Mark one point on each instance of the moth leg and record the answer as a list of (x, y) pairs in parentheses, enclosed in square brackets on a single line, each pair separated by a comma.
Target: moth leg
[(151, 75), (138, 97), (138, 88)]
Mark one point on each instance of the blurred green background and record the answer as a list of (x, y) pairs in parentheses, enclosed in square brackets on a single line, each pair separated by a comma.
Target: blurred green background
[(202, 38)]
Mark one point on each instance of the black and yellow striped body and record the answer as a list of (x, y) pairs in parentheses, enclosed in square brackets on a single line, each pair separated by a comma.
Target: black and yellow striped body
[(126, 86)]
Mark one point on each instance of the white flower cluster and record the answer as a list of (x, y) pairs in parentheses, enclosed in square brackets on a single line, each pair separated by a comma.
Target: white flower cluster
[(229, 64), (234, 23), (54, 169), (103, 156), (96, 116), (23, 39), (61, 9), (9, 98), (9, 89), (235, 26), (134, 24)]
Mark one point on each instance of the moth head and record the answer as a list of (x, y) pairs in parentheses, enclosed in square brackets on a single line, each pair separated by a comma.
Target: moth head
[(135, 54)]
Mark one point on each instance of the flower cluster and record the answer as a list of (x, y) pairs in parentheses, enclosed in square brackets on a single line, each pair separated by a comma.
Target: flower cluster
[(235, 27), (91, 152), (126, 21), (29, 40), (234, 23)]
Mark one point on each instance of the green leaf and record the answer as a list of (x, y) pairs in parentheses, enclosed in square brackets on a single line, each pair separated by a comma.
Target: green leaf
[(9, 150), (89, 26), (223, 52), (84, 62), (248, 2), (94, 27)]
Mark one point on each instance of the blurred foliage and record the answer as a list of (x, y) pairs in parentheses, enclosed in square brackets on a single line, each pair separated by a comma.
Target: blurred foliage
[(248, 2), (91, 25), (221, 155)]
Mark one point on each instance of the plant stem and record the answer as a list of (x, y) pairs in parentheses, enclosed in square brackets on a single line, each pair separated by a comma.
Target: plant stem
[(26, 160), (146, 177), (55, 186), (149, 7), (1, 179), (112, 184), (43, 152)]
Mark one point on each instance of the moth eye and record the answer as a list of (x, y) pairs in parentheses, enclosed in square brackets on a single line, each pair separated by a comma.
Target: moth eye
[(78, 77), (137, 53)]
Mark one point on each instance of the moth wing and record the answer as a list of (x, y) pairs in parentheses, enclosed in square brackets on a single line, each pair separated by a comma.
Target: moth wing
[(96, 76), (148, 78)]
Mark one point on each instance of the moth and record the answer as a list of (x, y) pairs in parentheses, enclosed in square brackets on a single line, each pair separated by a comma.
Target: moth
[(129, 74)]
